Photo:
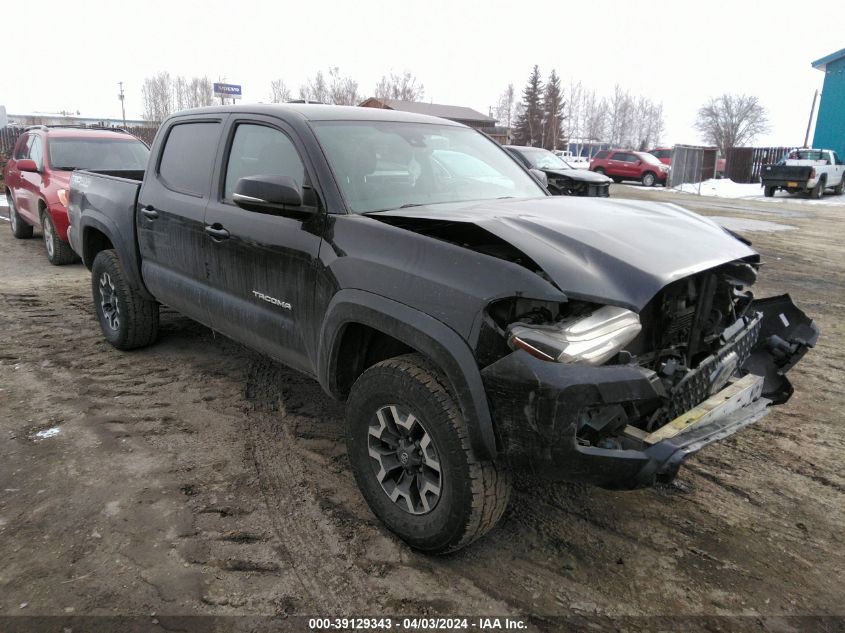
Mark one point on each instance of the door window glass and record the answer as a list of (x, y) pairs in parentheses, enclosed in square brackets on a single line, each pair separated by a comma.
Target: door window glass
[(188, 157), (261, 150), (35, 152)]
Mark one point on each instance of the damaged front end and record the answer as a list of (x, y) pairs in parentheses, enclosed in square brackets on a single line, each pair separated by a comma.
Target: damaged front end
[(601, 394)]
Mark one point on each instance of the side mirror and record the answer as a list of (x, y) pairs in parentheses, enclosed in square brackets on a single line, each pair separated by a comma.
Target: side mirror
[(27, 164), (267, 193), (541, 176)]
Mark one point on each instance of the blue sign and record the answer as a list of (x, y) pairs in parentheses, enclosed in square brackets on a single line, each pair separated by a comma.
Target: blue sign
[(232, 91)]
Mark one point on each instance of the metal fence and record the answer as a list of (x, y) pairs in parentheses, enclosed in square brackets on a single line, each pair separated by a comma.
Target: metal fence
[(692, 164), (743, 164)]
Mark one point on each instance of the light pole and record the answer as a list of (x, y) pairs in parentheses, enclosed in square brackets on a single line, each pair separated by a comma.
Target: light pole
[(120, 96)]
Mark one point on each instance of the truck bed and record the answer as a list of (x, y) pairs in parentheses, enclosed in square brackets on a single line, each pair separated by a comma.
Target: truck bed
[(105, 202)]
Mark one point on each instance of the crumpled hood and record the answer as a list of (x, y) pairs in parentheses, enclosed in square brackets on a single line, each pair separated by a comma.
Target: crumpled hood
[(582, 175), (618, 252)]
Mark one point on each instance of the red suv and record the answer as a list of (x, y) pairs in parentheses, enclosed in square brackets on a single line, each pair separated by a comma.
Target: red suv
[(38, 172), (623, 164)]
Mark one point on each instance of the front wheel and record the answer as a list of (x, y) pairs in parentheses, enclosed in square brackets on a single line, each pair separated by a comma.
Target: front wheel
[(648, 179), (412, 459), (128, 320), (20, 229), (59, 252), (838, 189)]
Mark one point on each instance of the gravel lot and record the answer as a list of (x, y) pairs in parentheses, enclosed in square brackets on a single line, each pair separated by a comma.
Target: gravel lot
[(197, 477)]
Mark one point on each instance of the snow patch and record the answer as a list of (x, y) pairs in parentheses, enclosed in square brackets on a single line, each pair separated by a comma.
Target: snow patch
[(726, 188), (53, 431)]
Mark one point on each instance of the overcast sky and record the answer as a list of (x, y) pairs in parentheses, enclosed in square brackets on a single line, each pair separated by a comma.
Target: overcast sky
[(62, 56)]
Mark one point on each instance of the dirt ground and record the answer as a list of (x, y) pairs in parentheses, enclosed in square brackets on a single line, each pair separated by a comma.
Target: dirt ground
[(196, 477)]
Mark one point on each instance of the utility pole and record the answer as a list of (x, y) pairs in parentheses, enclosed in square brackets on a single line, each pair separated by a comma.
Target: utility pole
[(810, 122), (121, 96)]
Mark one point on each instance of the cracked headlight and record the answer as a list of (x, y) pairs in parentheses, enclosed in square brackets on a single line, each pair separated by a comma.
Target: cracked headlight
[(592, 339)]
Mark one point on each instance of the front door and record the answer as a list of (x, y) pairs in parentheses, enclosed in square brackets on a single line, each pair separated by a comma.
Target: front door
[(170, 215), (262, 265)]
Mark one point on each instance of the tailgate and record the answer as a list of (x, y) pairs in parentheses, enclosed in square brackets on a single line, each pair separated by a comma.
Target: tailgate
[(794, 173)]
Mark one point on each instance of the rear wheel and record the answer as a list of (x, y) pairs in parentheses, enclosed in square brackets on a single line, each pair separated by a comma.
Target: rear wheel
[(128, 320), (20, 229), (818, 190), (412, 459), (59, 252), (648, 179), (768, 191)]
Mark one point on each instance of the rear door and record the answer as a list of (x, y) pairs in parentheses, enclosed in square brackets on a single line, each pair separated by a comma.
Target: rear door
[(171, 211), (29, 183), (617, 165), (261, 264)]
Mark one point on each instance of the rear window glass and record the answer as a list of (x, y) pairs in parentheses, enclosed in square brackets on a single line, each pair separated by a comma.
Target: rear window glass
[(98, 153), (188, 157)]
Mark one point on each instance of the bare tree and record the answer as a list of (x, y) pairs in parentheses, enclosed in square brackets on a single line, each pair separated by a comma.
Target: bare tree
[(279, 92), (200, 92), (157, 93), (315, 89), (731, 121), (404, 87), (505, 110), (342, 90)]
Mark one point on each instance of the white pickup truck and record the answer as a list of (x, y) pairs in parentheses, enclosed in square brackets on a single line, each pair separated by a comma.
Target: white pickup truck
[(805, 170)]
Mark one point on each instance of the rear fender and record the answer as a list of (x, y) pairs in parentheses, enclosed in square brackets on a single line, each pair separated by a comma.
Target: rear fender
[(785, 336)]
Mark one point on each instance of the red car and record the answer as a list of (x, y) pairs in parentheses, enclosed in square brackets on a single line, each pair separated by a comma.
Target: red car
[(38, 172), (663, 154), (623, 164)]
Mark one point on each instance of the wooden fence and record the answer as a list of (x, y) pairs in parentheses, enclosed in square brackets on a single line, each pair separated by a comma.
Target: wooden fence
[(743, 164)]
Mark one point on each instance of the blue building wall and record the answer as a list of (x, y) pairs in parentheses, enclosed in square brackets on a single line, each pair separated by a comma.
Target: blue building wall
[(830, 125)]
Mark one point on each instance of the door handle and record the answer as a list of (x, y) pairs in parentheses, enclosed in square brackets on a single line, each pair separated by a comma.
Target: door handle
[(217, 232), (149, 212)]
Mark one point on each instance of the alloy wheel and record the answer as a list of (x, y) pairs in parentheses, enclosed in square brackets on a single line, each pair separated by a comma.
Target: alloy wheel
[(404, 460), (109, 304), (48, 236)]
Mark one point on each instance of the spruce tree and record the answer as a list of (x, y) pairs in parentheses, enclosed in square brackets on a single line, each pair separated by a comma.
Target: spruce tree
[(553, 113), (529, 124)]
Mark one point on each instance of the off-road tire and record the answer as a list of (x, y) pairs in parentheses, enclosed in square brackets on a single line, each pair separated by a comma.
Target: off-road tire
[(840, 188), (59, 252), (474, 492), (818, 190), (20, 229), (137, 323), (769, 192), (649, 179)]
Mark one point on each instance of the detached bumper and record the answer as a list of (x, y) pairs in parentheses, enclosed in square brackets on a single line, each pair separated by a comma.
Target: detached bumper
[(539, 407)]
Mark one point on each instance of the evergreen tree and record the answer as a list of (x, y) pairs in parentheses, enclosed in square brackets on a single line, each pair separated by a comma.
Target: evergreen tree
[(552, 113), (529, 123)]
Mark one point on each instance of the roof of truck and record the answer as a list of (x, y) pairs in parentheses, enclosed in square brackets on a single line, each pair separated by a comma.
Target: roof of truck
[(319, 112)]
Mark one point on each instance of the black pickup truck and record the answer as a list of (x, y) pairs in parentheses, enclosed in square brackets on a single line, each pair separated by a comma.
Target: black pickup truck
[(474, 324)]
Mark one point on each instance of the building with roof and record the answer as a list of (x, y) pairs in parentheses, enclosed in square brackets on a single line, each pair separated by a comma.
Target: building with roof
[(459, 114), (830, 124)]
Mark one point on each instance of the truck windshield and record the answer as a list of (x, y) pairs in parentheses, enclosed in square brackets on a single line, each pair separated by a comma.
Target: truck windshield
[(99, 154), (384, 165)]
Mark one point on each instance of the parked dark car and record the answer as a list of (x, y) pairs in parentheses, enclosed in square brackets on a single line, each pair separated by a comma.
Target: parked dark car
[(623, 164), (563, 179), (38, 171), (474, 324)]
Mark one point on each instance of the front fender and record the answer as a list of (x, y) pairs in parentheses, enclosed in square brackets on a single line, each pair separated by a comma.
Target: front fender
[(423, 333)]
